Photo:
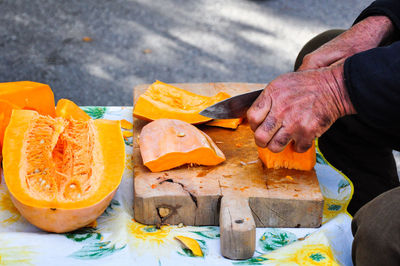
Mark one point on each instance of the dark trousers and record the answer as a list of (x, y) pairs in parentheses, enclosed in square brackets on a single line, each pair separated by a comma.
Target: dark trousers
[(364, 154)]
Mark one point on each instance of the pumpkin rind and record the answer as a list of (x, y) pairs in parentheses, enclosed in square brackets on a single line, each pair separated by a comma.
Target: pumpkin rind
[(51, 190), (169, 143), (162, 100), (288, 158), (69, 110)]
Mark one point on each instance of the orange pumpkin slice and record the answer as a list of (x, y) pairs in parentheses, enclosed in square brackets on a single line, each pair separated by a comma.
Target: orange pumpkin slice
[(5, 114), (162, 100), (288, 158), (226, 123), (68, 109), (169, 143), (61, 173), (29, 95)]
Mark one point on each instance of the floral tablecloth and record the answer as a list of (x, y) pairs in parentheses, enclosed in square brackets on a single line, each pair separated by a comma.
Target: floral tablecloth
[(117, 239)]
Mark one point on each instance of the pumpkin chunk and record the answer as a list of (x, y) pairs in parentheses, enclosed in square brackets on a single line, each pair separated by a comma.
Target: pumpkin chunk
[(169, 143), (62, 173), (226, 123), (68, 109), (5, 114), (29, 95), (162, 100), (288, 158)]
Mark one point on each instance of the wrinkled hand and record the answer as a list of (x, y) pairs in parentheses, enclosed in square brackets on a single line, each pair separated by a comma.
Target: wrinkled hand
[(367, 34), (299, 106)]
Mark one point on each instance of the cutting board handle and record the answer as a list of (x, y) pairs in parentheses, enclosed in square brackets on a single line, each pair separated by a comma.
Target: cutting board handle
[(237, 228)]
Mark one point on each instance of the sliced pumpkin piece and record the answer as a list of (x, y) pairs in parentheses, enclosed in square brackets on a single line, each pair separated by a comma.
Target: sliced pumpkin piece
[(29, 95), (68, 109), (126, 124), (162, 100), (5, 113), (62, 173), (226, 123), (288, 158), (191, 244), (169, 143)]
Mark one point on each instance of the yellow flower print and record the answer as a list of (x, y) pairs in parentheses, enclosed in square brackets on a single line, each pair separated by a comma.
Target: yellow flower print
[(149, 233), (317, 254), (8, 213), (15, 255)]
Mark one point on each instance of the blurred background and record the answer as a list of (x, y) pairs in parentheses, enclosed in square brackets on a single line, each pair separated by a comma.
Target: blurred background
[(95, 51)]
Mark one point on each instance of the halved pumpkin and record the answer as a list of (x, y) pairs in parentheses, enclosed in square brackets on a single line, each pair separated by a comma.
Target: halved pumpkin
[(162, 100), (61, 173), (169, 143), (288, 158), (68, 109), (29, 95)]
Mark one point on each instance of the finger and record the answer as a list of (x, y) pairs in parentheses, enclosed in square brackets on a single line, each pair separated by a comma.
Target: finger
[(302, 144), (280, 140), (266, 131), (259, 110)]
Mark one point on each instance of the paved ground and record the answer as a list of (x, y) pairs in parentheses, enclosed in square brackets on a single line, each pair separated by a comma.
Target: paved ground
[(139, 41)]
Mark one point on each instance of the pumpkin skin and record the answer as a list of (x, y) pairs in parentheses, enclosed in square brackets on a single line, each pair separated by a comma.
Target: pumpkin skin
[(162, 100), (29, 95), (52, 189), (69, 110), (288, 158), (169, 143)]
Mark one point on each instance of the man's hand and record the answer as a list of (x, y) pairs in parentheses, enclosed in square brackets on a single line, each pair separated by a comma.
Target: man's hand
[(367, 34), (299, 106)]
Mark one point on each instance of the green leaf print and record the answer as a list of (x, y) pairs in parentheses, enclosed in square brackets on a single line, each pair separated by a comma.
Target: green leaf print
[(317, 257), (84, 234), (334, 207), (276, 238), (210, 233), (96, 251), (253, 261), (95, 112), (128, 142), (320, 160), (343, 184), (110, 208)]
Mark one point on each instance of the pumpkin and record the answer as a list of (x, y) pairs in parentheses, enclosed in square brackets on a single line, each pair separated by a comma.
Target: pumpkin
[(61, 173), (162, 100), (169, 143), (288, 158), (226, 123), (5, 114), (29, 95), (68, 109)]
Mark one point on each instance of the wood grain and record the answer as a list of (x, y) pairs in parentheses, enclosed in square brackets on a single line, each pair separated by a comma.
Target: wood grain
[(192, 195)]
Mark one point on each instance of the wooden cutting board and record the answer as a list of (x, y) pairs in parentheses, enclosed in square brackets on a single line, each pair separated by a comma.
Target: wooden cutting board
[(238, 194)]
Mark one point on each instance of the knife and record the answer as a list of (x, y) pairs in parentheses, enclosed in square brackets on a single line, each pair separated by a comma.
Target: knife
[(234, 107)]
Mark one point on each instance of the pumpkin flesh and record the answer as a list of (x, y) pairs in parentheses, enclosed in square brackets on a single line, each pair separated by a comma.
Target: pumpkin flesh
[(29, 95), (68, 109), (169, 143), (162, 100), (288, 158), (56, 168)]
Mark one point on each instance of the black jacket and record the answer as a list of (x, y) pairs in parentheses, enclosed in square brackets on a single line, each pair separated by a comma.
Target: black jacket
[(373, 77)]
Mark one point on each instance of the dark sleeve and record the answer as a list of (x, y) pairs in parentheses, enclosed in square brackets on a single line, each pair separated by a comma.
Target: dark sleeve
[(373, 81), (389, 8)]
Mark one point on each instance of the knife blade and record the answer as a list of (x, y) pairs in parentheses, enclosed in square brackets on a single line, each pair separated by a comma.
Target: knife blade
[(234, 107)]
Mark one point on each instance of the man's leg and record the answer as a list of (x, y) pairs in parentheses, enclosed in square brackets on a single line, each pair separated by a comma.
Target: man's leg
[(376, 230), (362, 153)]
